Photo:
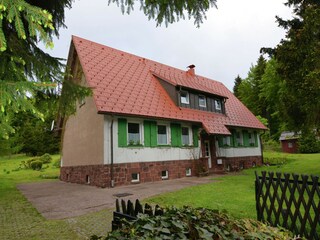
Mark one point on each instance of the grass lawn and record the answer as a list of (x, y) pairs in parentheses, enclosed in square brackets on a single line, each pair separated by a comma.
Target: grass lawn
[(235, 193), (20, 220)]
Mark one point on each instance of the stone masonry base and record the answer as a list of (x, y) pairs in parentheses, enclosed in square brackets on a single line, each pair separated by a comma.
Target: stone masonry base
[(133, 173)]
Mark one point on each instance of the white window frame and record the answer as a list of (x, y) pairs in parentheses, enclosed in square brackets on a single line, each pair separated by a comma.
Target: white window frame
[(218, 104), (251, 139), (203, 102), (226, 141), (165, 176), (137, 179), (187, 99), (188, 172), (167, 131), (140, 131), (240, 139), (190, 135)]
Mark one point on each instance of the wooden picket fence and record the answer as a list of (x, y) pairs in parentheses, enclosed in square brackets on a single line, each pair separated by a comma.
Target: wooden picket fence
[(130, 212), (291, 201)]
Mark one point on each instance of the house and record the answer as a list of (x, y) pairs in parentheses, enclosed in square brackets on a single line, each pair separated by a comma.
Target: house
[(289, 141), (147, 121)]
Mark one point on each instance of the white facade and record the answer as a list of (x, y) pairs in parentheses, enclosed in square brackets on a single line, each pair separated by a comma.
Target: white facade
[(230, 152), (141, 153)]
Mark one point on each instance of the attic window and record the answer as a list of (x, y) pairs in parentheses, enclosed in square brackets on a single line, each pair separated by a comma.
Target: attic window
[(202, 101), (184, 97), (217, 104)]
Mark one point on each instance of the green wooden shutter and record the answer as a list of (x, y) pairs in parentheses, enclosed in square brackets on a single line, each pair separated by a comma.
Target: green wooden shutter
[(255, 139), (150, 133), (122, 132), (147, 133), (153, 134), (245, 138), (175, 135), (195, 130)]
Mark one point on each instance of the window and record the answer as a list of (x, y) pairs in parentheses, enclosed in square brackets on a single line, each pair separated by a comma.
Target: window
[(217, 104), (184, 97), (226, 141), (202, 101), (134, 134), (185, 136), (135, 177), (164, 174), (251, 139), (239, 138), (162, 135), (290, 145), (188, 172)]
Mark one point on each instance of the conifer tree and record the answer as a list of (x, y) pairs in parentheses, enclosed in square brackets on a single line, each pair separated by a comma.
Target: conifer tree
[(237, 82), (26, 69), (299, 65)]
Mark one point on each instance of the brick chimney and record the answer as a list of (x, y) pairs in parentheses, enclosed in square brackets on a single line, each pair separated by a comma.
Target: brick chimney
[(191, 71)]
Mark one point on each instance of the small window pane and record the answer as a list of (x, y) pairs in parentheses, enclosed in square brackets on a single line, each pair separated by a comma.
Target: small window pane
[(185, 136), (162, 135), (184, 97), (202, 101), (164, 174), (133, 133), (217, 104), (135, 177)]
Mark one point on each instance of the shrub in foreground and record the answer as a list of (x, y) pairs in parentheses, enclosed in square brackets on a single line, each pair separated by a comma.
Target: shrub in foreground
[(36, 165), (190, 223)]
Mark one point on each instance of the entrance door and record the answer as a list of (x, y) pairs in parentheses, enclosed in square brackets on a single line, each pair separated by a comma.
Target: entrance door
[(207, 152)]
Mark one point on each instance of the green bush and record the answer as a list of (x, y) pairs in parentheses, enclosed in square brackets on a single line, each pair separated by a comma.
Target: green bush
[(45, 158), (57, 163), (308, 143), (190, 223), (36, 165)]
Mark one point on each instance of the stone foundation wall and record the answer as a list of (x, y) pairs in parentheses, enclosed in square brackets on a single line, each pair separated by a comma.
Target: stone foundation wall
[(238, 163), (99, 175)]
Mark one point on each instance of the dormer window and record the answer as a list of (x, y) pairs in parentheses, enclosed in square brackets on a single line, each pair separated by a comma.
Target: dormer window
[(184, 97), (217, 104), (202, 101)]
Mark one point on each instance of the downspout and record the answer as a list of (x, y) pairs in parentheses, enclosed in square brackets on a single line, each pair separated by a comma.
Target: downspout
[(111, 151)]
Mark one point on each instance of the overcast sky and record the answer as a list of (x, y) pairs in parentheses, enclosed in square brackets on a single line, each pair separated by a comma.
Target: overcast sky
[(225, 45)]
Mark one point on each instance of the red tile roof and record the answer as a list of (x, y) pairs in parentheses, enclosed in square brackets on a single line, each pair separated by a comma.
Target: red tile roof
[(125, 84)]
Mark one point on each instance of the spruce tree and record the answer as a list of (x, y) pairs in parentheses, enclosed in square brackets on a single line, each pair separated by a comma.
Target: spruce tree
[(26, 69)]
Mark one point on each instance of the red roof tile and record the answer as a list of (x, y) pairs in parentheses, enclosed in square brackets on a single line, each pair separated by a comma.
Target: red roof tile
[(126, 84)]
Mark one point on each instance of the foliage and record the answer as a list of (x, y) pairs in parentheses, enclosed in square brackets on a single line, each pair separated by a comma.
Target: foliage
[(237, 82), (195, 223), (270, 144), (250, 87), (36, 164), (170, 11), (57, 163), (10, 146), (25, 68), (308, 143), (299, 65), (45, 158)]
